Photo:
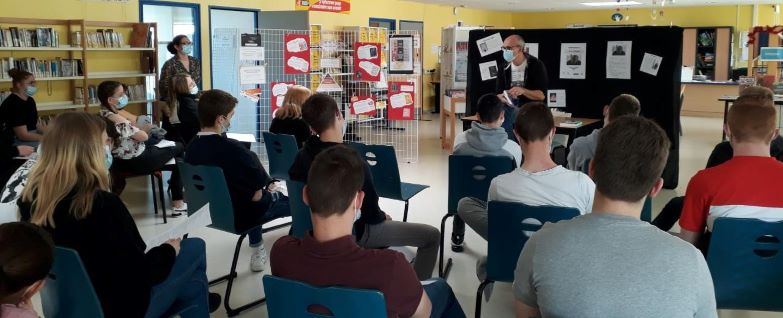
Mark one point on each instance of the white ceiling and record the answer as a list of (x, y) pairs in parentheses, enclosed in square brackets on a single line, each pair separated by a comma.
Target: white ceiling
[(560, 5)]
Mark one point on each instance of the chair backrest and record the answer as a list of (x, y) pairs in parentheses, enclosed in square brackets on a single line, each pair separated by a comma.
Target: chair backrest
[(68, 292), (288, 298), (745, 258), (646, 209), (510, 226), (205, 184), (281, 151), (300, 212), (470, 176), (383, 166)]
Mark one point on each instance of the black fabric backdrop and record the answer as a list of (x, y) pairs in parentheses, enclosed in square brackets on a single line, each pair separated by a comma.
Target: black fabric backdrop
[(659, 95)]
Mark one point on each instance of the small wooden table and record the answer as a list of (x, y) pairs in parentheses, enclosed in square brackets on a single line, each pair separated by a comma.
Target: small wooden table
[(588, 124)]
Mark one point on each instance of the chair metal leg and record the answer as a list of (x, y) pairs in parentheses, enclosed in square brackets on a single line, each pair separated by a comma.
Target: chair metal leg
[(154, 195), (231, 276), (162, 197), (405, 215), (479, 294), (443, 271)]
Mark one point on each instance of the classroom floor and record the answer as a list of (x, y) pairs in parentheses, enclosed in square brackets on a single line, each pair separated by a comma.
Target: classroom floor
[(699, 136)]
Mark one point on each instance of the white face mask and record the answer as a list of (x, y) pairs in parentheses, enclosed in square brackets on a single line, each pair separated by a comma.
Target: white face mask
[(194, 90), (357, 215)]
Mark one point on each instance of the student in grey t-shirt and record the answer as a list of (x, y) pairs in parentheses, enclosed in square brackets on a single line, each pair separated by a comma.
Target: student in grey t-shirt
[(609, 263)]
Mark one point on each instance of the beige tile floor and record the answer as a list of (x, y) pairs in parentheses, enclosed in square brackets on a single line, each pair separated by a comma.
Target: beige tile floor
[(700, 135)]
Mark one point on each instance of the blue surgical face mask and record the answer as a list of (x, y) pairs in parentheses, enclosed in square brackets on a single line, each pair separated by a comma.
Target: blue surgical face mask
[(194, 90), (30, 90), (187, 49), (227, 125), (109, 158), (358, 215), (508, 55), (122, 102)]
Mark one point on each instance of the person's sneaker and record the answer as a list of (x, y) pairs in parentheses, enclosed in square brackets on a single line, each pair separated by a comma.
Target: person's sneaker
[(182, 209), (457, 243), (258, 259), (214, 302)]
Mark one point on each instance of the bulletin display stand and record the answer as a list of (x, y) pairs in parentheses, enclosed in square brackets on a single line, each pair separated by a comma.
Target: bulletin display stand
[(659, 94), (329, 69)]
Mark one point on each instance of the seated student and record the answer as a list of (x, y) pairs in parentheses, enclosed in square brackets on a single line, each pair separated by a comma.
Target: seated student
[(18, 112), (8, 151), (288, 119), (133, 156), (485, 138), (12, 190), (67, 194), (182, 107), (375, 228), (609, 263), (248, 183), (583, 148), (539, 181), (747, 186), (26, 256), (334, 194)]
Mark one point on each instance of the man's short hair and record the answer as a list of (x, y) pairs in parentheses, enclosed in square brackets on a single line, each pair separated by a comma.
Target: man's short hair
[(213, 104), (630, 158), (751, 120), (319, 111), (489, 108), (534, 122), (622, 105), (758, 93), (335, 177)]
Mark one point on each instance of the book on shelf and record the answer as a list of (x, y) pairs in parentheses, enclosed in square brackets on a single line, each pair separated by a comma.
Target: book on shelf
[(42, 68), (37, 37), (78, 95), (104, 38), (141, 35)]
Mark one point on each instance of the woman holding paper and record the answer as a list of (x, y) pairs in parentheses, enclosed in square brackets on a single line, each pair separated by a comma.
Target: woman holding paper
[(67, 194), (288, 118), (133, 156)]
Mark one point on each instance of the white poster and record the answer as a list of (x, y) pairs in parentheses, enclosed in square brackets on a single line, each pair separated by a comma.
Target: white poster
[(618, 59), (572, 60), (651, 63), (556, 98), (489, 70), (490, 44), (252, 74), (251, 49), (330, 62), (532, 49)]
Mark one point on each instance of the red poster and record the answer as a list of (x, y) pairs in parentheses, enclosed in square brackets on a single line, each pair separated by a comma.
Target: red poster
[(337, 6), (364, 105), (367, 62), (402, 97), (279, 89), (297, 53)]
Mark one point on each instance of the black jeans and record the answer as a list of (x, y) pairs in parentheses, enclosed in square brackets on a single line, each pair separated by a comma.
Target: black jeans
[(670, 214), (151, 160)]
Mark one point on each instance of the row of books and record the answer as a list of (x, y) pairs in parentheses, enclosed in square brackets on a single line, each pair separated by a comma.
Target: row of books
[(42, 68), (105, 39), (38, 37), (134, 92)]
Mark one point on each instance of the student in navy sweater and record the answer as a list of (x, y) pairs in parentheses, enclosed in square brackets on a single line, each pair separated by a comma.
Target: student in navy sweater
[(247, 181)]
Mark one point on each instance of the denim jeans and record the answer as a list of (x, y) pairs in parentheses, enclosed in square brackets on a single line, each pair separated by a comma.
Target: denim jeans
[(276, 208), (444, 303), (510, 112), (185, 290)]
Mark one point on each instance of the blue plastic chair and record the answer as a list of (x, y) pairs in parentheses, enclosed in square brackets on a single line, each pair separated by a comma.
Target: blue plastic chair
[(289, 298), (746, 262), (509, 228), (469, 176), (386, 174), (300, 212), (205, 184), (281, 151), (68, 292), (646, 209)]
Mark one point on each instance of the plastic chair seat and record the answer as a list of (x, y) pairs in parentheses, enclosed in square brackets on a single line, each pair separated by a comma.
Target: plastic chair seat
[(409, 190)]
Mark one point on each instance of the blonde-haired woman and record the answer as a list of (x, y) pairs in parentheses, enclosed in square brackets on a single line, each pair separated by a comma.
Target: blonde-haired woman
[(183, 106), (288, 119), (68, 194)]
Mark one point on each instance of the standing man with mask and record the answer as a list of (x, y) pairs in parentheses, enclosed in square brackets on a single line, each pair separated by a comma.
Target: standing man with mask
[(524, 79)]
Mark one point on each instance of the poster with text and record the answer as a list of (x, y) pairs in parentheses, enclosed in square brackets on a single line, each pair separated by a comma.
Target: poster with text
[(651, 63), (402, 97), (279, 89), (334, 6), (297, 53), (618, 59), (573, 60), (251, 49), (363, 105), (367, 62)]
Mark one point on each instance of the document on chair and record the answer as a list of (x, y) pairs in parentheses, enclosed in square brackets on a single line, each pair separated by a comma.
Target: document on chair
[(191, 223)]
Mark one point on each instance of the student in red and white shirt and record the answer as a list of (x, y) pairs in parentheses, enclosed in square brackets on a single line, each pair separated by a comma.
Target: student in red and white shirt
[(747, 186)]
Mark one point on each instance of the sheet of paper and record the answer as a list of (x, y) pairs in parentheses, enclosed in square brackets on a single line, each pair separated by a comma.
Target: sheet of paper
[(250, 53), (488, 70), (651, 63), (241, 137), (532, 49), (165, 144), (252, 74), (490, 44), (329, 62), (618, 59), (191, 223), (556, 98), (572, 60)]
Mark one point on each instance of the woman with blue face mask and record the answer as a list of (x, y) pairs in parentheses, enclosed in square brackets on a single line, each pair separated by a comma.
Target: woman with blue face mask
[(18, 112), (132, 157)]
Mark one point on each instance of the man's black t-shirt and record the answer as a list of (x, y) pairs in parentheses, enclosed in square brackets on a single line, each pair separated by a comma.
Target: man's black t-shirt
[(536, 78)]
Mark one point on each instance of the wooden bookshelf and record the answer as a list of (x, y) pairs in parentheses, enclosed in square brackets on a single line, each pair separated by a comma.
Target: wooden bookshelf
[(69, 49), (708, 51)]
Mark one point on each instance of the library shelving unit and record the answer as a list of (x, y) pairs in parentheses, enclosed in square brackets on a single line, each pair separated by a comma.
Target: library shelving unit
[(130, 64), (708, 51)]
